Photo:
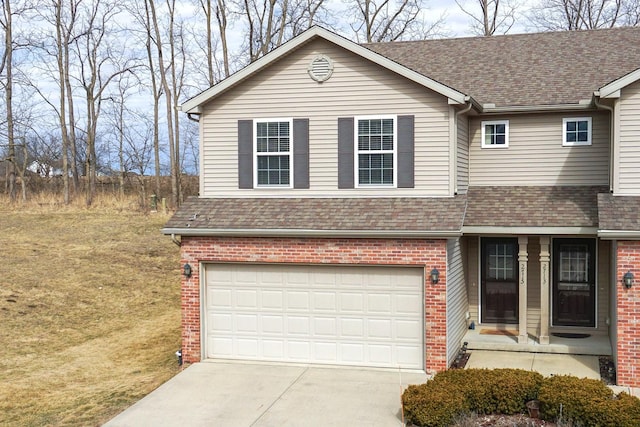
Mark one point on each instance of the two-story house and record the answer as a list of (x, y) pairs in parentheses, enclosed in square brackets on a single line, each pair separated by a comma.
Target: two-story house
[(367, 205)]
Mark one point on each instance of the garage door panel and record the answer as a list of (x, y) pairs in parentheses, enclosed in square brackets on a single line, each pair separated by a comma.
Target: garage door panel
[(363, 316), (247, 323), (325, 326), (246, 298), (407, 304), (272, 299), (272, 324), (380, 328), (297, 300), (324, 301), (379, 303), (298, 325), (407, 329), (351, 302)]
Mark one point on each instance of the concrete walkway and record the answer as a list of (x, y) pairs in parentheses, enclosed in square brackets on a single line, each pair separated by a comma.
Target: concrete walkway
[(547, 364), (244, 394)]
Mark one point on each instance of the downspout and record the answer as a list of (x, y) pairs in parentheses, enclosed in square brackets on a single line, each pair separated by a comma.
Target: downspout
[(612, 126), (176, 241), (455, 145)]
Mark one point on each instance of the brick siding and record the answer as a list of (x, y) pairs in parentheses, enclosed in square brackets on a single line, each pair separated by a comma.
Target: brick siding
[(628, 306), (400, 252)]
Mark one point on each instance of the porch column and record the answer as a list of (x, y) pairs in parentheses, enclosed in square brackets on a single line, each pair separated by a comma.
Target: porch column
[(544, 290), (523, 257)]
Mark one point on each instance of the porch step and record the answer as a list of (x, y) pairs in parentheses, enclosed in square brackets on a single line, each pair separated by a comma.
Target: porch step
[(596, 345)]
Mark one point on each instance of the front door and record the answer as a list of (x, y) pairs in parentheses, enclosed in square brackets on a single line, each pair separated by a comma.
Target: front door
[(574, 282), (499, 290)]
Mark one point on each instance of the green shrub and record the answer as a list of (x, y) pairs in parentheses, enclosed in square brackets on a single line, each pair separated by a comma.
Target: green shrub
[(499, 391), (429, 406), (572, 399)]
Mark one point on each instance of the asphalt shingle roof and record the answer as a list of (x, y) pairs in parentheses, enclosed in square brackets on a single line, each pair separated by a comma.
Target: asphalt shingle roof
[(544, 206), (320, 214), (619, 213), (523, 69)]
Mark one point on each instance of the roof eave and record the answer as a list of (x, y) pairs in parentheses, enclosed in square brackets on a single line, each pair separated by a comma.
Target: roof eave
[(192, 105), (619, 234), (612, 90), (387, 234)]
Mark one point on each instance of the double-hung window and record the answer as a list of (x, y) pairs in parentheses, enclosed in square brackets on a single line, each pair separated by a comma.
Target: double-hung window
[(273, 161), (576, 131), (495, 134), (376, 158)]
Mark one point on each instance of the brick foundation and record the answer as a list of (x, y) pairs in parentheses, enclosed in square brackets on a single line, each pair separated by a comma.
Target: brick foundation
[(401, 252), (628, 306)]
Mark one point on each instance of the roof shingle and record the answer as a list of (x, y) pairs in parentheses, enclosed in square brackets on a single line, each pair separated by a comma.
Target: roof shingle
[(544, 206), (523, 69), (320, 214), (619, 213)]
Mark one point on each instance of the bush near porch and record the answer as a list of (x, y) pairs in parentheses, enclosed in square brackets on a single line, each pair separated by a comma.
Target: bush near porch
[(450, 394)]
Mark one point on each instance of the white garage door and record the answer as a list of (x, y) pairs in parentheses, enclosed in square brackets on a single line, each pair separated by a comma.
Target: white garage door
[(365, 316)]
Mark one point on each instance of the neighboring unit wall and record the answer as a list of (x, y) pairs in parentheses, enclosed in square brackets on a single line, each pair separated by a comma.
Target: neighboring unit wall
[(536, 156), (629, 140), (463, 154), (427, 254), (457, 300), (356, 87), (628, 307)]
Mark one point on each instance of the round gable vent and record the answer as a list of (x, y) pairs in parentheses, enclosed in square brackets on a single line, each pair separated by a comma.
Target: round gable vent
[(320, 68)]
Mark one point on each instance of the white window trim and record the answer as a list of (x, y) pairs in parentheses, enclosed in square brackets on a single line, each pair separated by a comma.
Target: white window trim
[(506, 133), (255, 153), (566, 143), (356, 164)]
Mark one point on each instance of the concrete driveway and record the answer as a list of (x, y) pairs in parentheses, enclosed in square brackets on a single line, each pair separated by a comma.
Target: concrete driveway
[(234, 394)]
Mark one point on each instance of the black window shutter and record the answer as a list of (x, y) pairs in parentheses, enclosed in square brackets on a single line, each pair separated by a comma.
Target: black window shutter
[(245, 153), (406, 152), (300, 153), (345, 152)]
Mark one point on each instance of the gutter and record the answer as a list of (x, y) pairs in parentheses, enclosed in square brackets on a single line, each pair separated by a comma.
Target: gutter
[(455, 144), (191, 117), (492, 109), (386, 234), (612, 134)]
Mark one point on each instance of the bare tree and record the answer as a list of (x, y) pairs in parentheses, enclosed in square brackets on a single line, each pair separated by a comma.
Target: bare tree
[(99, 65), (556, 15), (390, 20), (6, 68), (493, 15)]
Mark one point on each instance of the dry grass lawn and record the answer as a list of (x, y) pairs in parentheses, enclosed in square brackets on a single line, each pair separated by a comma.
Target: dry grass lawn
[(89, 311)]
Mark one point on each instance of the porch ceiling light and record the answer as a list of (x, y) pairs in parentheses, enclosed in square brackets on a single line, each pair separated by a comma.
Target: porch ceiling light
[(434, 275), (627, 279), (186, 270)]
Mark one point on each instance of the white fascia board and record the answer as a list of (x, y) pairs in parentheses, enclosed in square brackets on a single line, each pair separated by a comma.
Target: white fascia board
[(619, 234), (529, 230), (192, 104), (612, 90), (385, 234)]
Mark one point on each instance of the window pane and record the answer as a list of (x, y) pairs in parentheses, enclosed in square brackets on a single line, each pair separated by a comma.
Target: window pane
[(261, 129), (583, 125), (500, 259), (571, 126), (374, 136), (273, 170), (574, 263), (583, 136), (571, 137), (500, 140), (500, 129)]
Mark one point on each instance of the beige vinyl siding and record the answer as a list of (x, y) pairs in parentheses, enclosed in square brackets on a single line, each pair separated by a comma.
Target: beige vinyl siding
[(535, 155), (629, 140), (463, 155), (357, 87), (457, 300)]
